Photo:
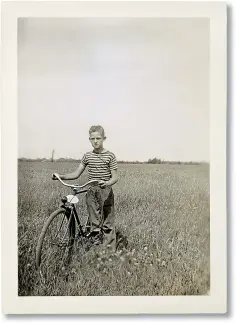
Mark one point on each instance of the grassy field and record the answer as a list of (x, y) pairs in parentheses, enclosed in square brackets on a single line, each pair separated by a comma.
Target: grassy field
[(163, 211)]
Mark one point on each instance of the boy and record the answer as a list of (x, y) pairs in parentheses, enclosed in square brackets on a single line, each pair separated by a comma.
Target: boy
[(102, 166)]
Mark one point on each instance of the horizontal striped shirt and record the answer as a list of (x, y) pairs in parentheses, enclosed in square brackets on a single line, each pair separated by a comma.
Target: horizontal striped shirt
[(99, 165)]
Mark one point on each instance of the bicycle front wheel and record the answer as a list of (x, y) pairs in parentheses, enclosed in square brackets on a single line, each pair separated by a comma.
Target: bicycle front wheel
[(55, 242)]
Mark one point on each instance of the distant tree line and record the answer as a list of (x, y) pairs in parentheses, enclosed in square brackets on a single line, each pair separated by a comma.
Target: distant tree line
[(149, 161), (159, 161)]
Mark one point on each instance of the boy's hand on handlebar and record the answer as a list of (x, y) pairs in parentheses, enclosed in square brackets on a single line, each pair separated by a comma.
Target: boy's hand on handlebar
[(54, 176), (102, 184)]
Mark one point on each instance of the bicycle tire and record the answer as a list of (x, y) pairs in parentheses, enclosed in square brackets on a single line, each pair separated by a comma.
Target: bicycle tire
[(71, 233)]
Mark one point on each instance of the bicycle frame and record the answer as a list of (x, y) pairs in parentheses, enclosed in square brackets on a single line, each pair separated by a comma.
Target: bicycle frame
[(71, 211), (67, 208), (68, 202)]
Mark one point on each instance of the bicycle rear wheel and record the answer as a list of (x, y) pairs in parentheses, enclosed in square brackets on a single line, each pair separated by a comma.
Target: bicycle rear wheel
[(55, 243)]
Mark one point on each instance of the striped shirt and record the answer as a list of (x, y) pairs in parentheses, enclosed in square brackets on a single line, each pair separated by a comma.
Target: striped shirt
[(99, 165)]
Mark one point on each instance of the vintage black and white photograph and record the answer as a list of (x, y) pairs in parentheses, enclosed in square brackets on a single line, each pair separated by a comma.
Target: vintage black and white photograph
[(113, 156), (114, 123)]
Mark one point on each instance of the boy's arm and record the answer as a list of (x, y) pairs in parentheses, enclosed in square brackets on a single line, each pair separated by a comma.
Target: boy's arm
[(75, 174), (112, 180)]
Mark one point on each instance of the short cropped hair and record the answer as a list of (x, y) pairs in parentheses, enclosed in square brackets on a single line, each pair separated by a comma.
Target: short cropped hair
[(99, 129)]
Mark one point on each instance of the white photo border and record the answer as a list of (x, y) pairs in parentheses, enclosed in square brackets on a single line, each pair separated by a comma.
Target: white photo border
[(216, 302)]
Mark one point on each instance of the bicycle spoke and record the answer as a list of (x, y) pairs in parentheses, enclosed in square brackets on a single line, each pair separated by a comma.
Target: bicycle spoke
[(60, 226), (68, 226)]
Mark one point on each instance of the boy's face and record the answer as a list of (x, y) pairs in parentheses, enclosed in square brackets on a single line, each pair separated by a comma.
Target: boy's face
[(96, 139)]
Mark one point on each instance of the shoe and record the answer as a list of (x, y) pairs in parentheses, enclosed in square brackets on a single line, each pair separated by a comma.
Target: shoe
[(97, 238), (97, 241)]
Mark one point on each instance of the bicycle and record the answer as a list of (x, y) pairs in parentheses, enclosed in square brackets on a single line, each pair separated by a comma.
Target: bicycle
[(56, 241)]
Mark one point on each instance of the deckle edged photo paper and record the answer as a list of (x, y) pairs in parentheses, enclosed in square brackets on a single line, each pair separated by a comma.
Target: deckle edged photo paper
[(116, 118)]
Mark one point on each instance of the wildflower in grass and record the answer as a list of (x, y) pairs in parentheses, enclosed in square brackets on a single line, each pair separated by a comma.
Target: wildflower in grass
[(145, 248)]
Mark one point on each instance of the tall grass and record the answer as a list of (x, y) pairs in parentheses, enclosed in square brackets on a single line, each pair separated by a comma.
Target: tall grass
[(162, 210)]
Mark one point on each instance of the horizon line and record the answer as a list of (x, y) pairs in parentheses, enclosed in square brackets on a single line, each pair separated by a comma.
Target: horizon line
[(130, 161)]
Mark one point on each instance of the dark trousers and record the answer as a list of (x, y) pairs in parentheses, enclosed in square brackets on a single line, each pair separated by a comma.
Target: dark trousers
[(100, 204)]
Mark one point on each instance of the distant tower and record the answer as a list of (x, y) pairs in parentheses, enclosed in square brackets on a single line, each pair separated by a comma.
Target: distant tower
[(52, 159)]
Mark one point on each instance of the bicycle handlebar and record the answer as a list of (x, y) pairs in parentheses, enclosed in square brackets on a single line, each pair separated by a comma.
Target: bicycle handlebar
[(94, 181)]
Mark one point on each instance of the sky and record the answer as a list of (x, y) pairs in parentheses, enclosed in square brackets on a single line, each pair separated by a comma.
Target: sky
[(145, 80)]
